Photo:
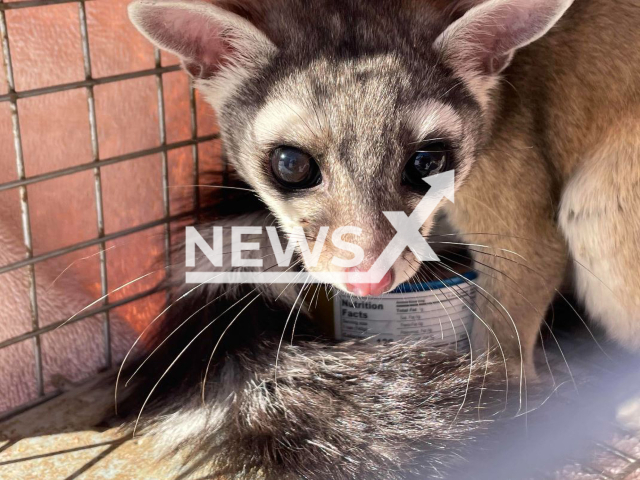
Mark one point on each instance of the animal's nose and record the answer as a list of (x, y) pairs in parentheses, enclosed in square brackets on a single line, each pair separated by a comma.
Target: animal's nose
[(370, 289)]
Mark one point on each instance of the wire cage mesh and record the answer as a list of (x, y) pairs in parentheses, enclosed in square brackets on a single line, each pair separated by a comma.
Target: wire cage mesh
[(14, 94), (14, 15)]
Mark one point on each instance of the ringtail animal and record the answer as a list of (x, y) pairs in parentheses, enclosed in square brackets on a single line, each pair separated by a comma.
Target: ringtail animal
[(335, 111)]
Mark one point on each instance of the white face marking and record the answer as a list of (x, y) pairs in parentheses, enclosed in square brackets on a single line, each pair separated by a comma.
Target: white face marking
[(357, 128), (435, 116), (219, 89), (286, 121)]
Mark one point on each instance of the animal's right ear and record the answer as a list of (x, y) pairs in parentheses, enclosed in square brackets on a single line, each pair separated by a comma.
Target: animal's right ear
[(207, 37)]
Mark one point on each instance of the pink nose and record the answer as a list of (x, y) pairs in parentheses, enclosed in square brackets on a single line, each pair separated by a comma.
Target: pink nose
[(370, 289)]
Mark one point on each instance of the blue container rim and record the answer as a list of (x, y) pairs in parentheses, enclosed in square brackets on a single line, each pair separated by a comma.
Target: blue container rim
[(436, 284)]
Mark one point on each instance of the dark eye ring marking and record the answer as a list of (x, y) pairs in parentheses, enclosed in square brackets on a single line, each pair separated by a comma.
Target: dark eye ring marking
[(431, 159), (295, 169)]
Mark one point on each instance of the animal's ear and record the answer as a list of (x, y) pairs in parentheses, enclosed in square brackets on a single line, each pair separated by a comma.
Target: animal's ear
[(488, 33), (206, 36)]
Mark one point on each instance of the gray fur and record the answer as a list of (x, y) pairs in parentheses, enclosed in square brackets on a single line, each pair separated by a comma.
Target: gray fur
[(350, 82), (354, 76), (349, 410), (337, 411), (340, 412)]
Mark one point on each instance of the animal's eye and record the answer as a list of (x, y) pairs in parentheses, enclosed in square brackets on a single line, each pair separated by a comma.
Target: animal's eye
[(431, 159), (294, 168)]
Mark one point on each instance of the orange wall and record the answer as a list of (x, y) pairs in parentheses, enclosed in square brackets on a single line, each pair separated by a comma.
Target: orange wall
[(46, 50)]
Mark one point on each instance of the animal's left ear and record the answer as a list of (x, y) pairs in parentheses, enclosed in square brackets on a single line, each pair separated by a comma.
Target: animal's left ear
[(485, 38)]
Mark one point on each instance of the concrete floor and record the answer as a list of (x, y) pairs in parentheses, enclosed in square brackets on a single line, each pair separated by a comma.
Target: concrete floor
[(65, 438)]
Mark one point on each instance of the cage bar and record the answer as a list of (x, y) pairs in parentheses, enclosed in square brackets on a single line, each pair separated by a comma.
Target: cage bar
[(29, 261), (162, 126), (89, 313), (88, 243), (32, 3), (194, 148), (104, 163), (95, 154), (24, 203), (13, 95), (618, 453), (629, 470)]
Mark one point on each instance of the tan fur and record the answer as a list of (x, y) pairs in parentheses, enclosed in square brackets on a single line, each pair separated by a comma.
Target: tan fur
[(575, 96), (554, 181)]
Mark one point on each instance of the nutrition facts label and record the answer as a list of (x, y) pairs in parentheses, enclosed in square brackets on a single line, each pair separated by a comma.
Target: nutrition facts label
[(443, 316)]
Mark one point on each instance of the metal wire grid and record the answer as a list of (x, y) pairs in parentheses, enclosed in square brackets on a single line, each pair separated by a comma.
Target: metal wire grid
[(612, 454), (30, 260), (628, 464), (607, 461)]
